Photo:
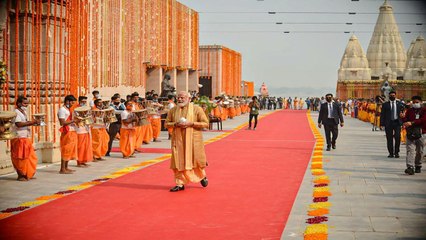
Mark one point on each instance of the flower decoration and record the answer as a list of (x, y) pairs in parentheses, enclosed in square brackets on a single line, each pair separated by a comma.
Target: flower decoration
[(317, 219), (320, 199), (15, 209), (66, 192), (3, 72), (32, 203)]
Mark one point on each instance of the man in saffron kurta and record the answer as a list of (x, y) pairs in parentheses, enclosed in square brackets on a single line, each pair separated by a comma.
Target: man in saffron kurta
[(85, 152), (100, 137), (24, 159), (188, 155), (68, 134)]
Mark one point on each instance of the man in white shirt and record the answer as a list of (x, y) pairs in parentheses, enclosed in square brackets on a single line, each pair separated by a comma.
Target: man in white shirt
[(24, 159), (85, 152), (95, 96), (69, 137)]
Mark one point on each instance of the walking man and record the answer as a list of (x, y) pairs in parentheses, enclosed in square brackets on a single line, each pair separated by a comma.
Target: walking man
[(415, 123), (330, 115), (390, 119), (188, 155), (254, 107)]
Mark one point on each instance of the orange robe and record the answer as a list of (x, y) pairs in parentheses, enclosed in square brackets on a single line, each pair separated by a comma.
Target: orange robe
[(69, 143), (148, 133), (127, 142), (156, 127), (24, 159), (100, 139), (216, 112), (232, 112), (85, 152)]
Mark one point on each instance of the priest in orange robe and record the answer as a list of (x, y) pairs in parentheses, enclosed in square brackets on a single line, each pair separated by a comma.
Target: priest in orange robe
[(85, 152), (69, 137), (24, 159), (100, 137), (188, 160), (127, 131)]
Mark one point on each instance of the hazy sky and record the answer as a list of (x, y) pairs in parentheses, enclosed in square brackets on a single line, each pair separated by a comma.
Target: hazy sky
[(305, 61)]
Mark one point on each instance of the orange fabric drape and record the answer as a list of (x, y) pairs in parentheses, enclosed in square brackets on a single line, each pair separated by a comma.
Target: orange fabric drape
[(100, 139), (24, 158), (85, 152), (69, 143), (127, 144)]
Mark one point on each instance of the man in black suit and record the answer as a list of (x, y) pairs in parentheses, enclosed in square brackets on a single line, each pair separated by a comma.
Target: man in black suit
[(330, 115), (390, 119)]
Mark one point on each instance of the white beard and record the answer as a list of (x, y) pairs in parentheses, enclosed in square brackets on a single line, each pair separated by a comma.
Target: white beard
[(182, 104)]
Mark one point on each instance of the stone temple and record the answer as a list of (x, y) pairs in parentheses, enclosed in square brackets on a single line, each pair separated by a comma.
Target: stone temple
[(362, 75)]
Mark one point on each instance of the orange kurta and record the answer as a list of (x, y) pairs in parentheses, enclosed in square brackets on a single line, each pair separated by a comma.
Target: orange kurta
[(138, 136), (100, 139), (24, 159), (127, 142), (156, 127), (69, 143), (85, 152)]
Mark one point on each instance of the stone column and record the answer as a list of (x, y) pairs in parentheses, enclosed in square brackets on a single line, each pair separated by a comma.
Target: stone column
[(193, 80), (182, 80), (154, 78)]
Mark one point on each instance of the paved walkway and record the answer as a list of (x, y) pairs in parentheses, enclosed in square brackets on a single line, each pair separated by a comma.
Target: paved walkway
[(372, 197), (48, 181)]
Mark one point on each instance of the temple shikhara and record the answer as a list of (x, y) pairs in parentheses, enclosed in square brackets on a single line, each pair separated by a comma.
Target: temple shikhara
[(363, 75), (264, 90)]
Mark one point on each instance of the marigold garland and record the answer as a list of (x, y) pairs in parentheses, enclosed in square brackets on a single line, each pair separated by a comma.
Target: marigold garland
[(50, 197), (320, 199), (322, 194), (317, 172), (316, 236), (15, 209), (32, 203), (321, 185), (5, 215), (79, 187), (66, 192), (318, 212), (319, 205), (100, 180), (316, 220)]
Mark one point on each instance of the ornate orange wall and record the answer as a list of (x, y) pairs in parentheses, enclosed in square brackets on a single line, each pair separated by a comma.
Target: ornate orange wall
[(57, 47), (224, 66)]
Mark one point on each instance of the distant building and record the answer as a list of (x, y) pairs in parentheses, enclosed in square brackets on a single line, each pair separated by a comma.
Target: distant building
[(264, 90), (248, 88), (220, 71), (362, 76)]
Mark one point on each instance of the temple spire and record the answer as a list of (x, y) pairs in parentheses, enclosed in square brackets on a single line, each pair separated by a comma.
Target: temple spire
[(386, 45)]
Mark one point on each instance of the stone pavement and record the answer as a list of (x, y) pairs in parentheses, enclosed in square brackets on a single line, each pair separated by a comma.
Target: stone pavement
[(48, 181), (372, 197)]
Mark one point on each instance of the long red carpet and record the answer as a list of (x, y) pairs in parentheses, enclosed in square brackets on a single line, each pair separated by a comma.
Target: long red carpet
[(254, 177)]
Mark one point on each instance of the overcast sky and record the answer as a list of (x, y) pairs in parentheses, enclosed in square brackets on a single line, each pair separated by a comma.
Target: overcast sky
[(305, 61)]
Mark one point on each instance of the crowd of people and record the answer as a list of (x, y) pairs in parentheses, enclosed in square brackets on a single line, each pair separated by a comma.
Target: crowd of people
[(139, 121), (402, 120)]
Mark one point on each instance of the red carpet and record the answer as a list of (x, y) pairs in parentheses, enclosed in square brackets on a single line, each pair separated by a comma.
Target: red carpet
[(254, 178)]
